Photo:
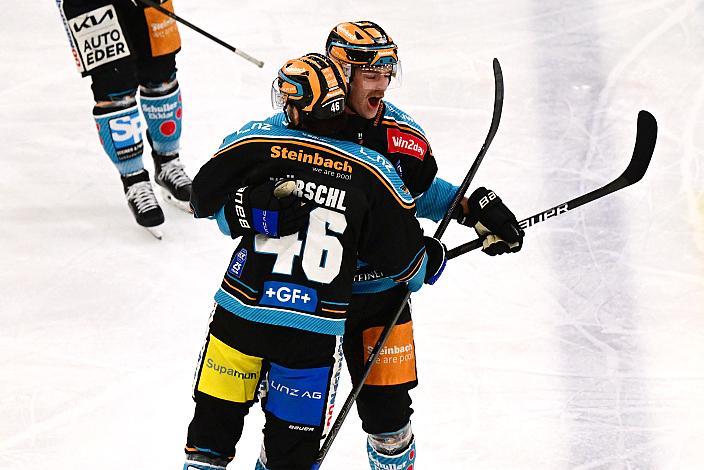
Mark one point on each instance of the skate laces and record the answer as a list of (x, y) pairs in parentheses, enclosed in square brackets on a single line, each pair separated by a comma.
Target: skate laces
[(172, 171), (142, 195)]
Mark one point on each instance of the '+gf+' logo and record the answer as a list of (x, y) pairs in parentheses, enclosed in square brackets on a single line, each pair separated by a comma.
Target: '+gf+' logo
[(286, 294)]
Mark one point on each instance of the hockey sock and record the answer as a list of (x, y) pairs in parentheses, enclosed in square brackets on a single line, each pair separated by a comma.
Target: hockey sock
[(260, 465), (119, 128), (161, 106), (204, 461), (395, 450)]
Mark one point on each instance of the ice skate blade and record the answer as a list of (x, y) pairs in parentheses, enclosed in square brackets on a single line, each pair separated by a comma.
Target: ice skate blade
[(183, 205), (155, 232)]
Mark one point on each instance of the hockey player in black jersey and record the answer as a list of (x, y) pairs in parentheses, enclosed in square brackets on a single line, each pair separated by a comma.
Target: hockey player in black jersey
[(128, 50), (306, 207), (369, 58)]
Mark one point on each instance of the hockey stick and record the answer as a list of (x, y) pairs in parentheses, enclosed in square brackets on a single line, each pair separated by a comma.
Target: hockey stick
[(646, 135), (195, 28), (496, 117)]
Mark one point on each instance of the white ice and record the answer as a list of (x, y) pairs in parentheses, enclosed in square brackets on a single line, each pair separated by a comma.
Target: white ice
[(584, 351)]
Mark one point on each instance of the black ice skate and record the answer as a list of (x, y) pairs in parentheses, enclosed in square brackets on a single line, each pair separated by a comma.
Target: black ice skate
[(175, 183), (142, 201)]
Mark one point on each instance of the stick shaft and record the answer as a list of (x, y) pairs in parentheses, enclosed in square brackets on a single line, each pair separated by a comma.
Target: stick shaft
[(347, 406), (195, 28)]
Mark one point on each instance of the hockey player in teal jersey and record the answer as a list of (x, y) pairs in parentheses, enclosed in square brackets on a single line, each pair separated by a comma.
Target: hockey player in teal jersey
[(369, 58), (306, 206), (129, 51)]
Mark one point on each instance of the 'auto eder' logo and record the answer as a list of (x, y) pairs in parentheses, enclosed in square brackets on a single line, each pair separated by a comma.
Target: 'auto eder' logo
[(93, 19), (98, 37)]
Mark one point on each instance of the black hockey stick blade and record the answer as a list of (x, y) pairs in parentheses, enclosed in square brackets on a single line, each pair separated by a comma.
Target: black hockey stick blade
[(646, 136)]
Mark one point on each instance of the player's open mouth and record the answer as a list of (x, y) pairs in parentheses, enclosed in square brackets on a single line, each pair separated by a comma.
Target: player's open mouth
[(374, 101)]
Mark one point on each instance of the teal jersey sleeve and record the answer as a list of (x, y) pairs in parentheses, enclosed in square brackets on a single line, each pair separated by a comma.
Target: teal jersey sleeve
[(278, 119), (433, 203)]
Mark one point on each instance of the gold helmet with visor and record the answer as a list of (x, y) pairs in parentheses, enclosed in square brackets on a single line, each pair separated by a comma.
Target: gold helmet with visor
[(366, 45)]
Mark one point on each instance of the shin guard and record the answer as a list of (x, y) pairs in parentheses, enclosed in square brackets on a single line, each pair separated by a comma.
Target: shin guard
[(161, 106), (119, 128)]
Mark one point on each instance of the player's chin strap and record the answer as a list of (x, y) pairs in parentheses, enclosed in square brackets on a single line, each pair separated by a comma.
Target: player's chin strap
[(496, 117), (646, 135)]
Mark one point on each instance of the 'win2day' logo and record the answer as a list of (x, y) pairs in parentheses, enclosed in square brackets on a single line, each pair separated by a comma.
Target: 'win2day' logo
[(281, 294), (403, 142)]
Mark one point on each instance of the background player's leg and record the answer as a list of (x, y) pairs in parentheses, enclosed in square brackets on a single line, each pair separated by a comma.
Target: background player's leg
[(160, 99), (106, 54), (162, 109), (119, 128)]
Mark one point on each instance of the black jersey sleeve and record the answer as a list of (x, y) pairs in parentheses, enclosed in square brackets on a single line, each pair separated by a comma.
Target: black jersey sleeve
[(407, 146), (391, 238), (237, 163)]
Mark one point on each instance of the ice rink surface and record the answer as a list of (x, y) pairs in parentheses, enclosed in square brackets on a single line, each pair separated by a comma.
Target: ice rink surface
[(584, 351)]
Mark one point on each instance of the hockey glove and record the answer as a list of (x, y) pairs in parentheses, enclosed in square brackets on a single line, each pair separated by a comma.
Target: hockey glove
[(267, 208), (493, 222), (437, 259)]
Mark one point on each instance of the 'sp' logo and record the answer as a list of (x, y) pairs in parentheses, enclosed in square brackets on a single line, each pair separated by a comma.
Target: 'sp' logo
[(126, 130)]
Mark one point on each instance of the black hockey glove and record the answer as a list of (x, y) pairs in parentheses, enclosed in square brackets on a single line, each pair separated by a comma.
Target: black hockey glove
[(268, 208), (493, 221), (437, 259)]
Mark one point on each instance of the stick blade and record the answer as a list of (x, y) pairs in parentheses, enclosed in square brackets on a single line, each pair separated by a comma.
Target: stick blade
[(646, 136)]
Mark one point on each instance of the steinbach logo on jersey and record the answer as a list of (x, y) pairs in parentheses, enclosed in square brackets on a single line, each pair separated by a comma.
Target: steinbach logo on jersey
[(282, 294), (403, 142), (299, 155)]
